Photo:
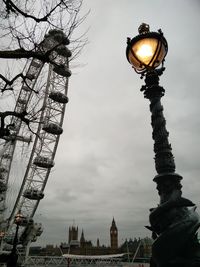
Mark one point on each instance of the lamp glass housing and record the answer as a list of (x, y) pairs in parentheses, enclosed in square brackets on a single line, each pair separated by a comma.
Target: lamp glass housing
[(146, 51)]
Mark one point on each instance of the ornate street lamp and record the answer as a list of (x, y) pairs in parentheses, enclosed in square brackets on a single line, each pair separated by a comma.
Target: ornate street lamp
[(174, 222), (147, 50)]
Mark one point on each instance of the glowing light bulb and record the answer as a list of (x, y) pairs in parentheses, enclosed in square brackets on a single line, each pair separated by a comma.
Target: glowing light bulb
[(145, 52)]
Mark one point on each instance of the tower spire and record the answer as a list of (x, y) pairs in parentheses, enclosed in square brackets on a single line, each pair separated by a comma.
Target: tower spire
[(113, 235), (82, 239)]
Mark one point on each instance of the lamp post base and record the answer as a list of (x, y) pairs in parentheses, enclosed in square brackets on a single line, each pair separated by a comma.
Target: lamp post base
[(174, 225), (177, 245)]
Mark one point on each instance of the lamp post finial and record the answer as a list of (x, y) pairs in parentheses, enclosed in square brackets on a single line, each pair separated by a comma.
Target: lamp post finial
[(143, 28)]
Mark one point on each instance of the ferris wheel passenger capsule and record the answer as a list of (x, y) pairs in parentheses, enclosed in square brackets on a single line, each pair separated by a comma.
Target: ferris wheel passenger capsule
[(53, 128), (62, 70), (33, 194), (43, 162), (59, 97), (62, 50)]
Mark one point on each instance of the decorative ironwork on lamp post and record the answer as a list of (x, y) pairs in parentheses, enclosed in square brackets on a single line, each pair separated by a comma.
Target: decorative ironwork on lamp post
[(174, 222)]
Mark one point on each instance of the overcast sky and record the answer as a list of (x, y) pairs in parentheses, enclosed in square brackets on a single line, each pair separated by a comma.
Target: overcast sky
[(104, 163)]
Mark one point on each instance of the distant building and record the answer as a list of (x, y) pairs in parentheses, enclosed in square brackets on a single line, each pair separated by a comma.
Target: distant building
[(36, 250), (138, 248), (49, 250), (85, 247), (130, 245), (73, 236)]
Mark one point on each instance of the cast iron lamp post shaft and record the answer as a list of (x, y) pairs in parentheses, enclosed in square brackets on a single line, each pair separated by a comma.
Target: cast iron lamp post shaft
[(164, 160), (174, 226), (168, 182)]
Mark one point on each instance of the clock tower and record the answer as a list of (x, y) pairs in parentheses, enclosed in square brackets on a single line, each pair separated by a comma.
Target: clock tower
[(113, 236)]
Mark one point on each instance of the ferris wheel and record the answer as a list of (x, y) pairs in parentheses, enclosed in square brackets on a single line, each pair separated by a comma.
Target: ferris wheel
[(27, 154)]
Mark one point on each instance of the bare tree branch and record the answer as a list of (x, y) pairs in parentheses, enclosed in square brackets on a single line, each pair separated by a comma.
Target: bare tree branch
[(10, 82), (22, 53), (23, 31), (12, 8), (4, 130)]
